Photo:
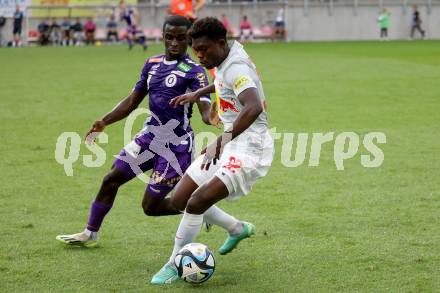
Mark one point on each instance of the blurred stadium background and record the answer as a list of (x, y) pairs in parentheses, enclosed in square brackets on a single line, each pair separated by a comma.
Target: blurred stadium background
[(305, 19)]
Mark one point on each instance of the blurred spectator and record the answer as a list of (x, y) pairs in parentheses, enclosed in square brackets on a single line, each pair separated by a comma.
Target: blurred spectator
[(18, 24), (384, 22), (44, 33), (140, 37), (185, 8), (77, 32), (65, 32), (246, 30), (416, 23), (55, 32), (90, 28), (279, 31), (2, 24), (131, 17), (112, 30), (227, 25)]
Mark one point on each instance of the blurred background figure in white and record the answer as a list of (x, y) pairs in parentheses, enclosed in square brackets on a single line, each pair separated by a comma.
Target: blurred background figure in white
[(279, 30)]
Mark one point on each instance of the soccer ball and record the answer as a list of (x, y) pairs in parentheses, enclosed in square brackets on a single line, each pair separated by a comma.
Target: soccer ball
[(195, 263)]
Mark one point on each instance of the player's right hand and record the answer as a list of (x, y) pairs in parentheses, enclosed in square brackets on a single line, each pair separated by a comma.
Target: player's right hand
[(97, 127), (184, 99)]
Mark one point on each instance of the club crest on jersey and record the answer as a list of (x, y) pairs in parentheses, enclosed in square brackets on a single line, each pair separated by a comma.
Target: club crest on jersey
[(171, 80), (184, 67), (233, 164)]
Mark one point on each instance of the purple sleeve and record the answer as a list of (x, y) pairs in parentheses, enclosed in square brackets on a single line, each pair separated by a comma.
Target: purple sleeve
[(142, 84), (199, 79)]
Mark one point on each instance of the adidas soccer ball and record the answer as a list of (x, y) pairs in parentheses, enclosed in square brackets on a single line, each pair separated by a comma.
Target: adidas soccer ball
[(195, 263)]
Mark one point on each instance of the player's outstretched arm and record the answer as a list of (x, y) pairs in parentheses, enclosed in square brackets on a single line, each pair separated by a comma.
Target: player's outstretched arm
[(122, 110), (193, 96)]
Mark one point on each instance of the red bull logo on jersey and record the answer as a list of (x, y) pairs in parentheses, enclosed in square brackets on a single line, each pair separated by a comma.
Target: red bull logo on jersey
[(233, 164), (224, 105), (228, 106)]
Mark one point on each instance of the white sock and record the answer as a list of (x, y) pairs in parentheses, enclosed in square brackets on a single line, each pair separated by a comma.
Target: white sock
[(91, 234), (188, 230), (217, 216)]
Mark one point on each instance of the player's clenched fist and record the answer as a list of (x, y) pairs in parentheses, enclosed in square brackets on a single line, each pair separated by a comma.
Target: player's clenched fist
[(214, 119)]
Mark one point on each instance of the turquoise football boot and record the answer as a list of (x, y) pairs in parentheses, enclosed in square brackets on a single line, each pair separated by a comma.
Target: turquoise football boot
[(166, 275), (233, 240)]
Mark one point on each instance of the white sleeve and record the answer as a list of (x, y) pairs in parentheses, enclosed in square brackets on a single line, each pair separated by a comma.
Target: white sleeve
[(239, 78)]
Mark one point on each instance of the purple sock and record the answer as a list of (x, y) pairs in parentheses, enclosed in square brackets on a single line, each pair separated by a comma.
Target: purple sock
[(97, 214)]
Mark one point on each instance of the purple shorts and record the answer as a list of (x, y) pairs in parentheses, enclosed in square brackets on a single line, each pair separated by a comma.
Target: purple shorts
[(167, 166), (131, 29)]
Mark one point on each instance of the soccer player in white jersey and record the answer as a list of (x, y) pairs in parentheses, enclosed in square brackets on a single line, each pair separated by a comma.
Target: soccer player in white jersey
[(241, 155)]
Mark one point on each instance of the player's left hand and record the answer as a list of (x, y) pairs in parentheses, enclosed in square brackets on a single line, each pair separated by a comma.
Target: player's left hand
[(97, 127), (184, 99), (214, 151)]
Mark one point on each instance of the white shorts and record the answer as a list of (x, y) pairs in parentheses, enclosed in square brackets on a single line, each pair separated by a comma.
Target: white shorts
[(244, 160)]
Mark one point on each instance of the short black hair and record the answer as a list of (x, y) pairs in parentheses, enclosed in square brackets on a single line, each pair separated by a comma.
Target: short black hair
[(209, 27), (176, 20)]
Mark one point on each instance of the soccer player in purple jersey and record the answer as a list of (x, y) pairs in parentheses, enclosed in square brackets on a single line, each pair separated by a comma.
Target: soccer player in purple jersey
[(164, 144), (131, 18)]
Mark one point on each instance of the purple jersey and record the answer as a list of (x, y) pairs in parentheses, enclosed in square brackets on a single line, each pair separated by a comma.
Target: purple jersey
[(164, 80), (128, 16), (165, 144)]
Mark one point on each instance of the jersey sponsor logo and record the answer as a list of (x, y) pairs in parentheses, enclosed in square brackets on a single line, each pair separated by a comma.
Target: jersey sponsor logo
[(184, 67), (241, 81), (225, 106), (155, 60), (179, 73), (233, 164), (171, 80), (202, 80)]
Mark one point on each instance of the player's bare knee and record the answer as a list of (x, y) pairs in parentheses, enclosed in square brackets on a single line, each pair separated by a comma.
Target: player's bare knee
[(149, 209), (196, 205), (178, 203), (112, 180)]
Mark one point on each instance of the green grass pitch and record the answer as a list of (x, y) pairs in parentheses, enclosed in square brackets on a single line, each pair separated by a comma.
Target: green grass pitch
[(318, 229)]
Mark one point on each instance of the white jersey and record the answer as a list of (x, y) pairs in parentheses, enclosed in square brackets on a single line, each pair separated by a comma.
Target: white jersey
[(236, 74), (247, 157)]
